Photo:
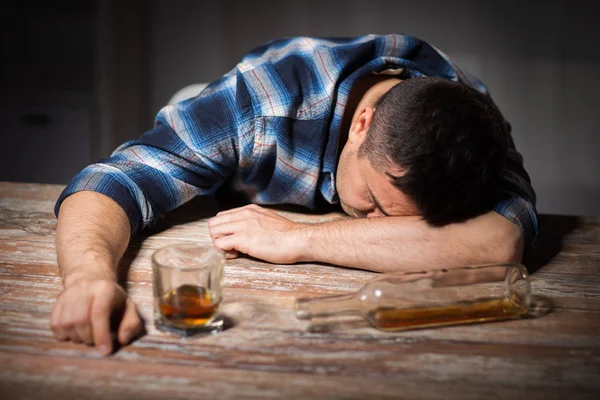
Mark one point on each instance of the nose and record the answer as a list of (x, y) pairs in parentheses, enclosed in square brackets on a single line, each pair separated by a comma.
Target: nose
[(375, 213)]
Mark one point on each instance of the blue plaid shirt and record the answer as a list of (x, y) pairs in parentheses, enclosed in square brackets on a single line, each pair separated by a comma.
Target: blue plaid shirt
[(271, 127)]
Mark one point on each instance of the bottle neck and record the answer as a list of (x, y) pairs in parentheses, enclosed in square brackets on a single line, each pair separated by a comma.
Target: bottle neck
[(327, 306)]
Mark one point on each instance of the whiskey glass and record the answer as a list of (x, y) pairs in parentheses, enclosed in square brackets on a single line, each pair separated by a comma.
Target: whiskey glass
[(187, 288)]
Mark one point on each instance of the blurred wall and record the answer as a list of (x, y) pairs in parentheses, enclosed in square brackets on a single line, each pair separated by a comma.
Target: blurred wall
[(46, 89), (73, 84), (540, 60), (77, 75)]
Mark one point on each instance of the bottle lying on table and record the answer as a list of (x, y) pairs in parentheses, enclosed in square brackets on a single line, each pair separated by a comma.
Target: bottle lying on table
[(401, 301)]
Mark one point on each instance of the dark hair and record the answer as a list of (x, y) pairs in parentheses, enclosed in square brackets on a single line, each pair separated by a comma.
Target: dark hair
[(450, 141)]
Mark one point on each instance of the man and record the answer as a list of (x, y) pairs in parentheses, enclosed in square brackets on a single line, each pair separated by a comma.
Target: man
[(387, 126)]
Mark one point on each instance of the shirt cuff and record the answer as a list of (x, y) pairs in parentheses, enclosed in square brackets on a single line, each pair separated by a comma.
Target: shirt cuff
[(523, 213), (109, 185)]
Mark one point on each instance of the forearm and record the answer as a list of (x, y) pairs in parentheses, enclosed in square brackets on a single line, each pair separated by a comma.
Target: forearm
[(407, 243), (91, 236)]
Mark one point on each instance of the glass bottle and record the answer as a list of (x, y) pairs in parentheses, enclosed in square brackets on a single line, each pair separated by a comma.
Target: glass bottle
[(401, 301)]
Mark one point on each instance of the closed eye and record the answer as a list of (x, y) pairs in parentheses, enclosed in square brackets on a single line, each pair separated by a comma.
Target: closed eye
[(376, 203)]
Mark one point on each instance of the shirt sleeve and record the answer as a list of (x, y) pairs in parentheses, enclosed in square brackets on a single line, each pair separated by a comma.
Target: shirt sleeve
[(518, 201), (191, 150)]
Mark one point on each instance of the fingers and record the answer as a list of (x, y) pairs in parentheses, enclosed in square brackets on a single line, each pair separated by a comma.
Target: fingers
[(80, 319), (72, 333), (231, 254), (55, 324), (83, 314), (100, 321), (71, 323), (227, 228), (84, 332), (229, 243), (231, 224), (131, 324), (249, 207), (243, 218), (242, 215)]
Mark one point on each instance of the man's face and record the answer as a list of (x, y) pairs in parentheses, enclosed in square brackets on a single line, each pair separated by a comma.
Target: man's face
[(365, 192)]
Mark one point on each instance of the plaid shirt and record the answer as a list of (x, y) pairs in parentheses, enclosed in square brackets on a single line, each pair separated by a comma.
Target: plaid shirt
[(271, 127)]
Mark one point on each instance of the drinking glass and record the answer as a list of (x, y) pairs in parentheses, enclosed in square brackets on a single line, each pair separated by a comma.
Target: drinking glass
[(187, 288)]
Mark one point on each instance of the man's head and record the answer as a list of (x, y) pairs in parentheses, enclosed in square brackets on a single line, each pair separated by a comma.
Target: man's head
[(426, 146)]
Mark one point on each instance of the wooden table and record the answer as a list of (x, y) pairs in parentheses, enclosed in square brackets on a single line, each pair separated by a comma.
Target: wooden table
[(267, 353)]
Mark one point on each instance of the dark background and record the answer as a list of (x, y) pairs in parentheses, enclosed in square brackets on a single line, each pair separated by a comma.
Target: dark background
[(77, 78)]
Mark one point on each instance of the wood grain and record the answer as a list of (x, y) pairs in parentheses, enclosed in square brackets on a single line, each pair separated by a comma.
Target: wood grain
[(266, 352)]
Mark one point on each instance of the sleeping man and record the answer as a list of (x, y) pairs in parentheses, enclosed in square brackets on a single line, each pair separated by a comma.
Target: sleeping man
[(388, 127)]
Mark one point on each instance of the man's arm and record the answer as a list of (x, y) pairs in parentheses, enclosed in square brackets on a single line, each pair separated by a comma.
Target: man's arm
[(519, 198), (390, 244), (386, 244), (191, 150), (91, 237)]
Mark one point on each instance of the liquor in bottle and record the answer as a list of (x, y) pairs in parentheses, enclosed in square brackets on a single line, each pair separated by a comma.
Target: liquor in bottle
[(401, 301)]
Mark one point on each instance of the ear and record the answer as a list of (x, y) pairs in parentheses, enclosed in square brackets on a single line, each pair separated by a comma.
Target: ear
[(361, 124)]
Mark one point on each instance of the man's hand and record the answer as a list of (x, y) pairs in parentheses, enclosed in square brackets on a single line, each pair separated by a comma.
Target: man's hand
[(260, 233), (91, 236), (83, 311), (386, 244)]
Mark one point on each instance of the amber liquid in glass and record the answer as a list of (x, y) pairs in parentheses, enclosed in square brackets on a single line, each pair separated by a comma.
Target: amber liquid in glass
[(188, 306), (393, 319)]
